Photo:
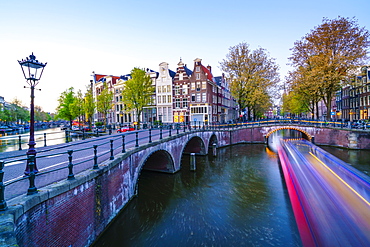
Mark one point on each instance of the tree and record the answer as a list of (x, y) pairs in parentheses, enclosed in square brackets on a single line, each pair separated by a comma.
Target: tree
[(329, 53), (78, 107), (65, 108), (137, 92), (89, 105), (104, 102), (254, 76)]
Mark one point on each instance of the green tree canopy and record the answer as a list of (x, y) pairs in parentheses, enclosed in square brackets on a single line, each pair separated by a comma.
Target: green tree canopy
[(104, 102), (65, 109), (137, 92), (328, 54), (89, 105), (254, 77)]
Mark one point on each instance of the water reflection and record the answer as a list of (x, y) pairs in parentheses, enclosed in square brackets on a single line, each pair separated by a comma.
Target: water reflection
[(237, 198)]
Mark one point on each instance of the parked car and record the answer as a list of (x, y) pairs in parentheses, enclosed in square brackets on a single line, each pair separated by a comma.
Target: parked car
[(125, 129), (4, 129)]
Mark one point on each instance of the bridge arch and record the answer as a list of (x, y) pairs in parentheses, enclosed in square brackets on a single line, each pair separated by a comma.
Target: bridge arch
[(212, 140), (308, 135), (159, 160), (195, 145)]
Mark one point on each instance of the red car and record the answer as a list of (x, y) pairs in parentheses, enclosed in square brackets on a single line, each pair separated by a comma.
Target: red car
[(125, 129)]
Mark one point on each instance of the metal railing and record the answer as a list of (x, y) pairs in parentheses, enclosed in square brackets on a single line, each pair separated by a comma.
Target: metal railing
[(109, 145)]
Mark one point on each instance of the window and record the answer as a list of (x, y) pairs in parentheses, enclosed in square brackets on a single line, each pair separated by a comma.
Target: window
[(193, 97), (169, 98), (185, 102), (169, 88), (177, 103), (159, 89), (197, 69), (193, 86), (177, 91), (203, 97), (198, 86), (204, 85), (159, 99), (198, 97), (198, 76), (164, 99), (163, 89), (181, 76), (185, 89)]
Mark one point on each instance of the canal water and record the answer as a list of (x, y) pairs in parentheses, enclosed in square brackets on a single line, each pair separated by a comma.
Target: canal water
[(53, 136), (235, 199)]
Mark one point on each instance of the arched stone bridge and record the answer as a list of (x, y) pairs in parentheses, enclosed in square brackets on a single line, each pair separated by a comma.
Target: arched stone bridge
[(96, 196)]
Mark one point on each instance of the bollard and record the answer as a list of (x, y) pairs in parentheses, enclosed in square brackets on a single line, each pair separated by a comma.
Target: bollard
[(95, 157), (192, 162), (111, 150), (66, 136), (150, 135), (137, 140), (214, 149), (19, 143), (32, 189), (123, 144), (3, 205), (44, 139), (160, 133), (169, 134), (70, 165)]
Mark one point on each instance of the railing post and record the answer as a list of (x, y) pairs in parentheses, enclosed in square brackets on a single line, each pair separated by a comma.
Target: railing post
[(123, 144), (3, 205), (169, 134), (44, 139), (83, 134), (95, 157), (67, 135), (19, 142), (150, 135), (32, 189), (111, 150), (137, 139), (184, 128), (177, 130), (160, 133), (70, 165)]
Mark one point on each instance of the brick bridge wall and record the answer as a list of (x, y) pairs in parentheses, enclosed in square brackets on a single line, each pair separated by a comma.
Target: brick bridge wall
[(74, 213)]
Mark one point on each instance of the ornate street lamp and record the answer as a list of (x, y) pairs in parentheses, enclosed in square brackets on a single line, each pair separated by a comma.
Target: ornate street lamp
[(30, 68)]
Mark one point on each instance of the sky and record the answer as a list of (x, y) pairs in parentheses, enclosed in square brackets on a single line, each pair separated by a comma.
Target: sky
[(111, 37)]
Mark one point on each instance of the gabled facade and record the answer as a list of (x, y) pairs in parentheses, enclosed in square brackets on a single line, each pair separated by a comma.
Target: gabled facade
[(98, 86), (181, 96), (149, 114), (227, 108), (203, 94), (164, 93), (122, 117)]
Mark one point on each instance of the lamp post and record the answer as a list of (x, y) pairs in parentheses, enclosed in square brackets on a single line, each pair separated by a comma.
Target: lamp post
[(30, 68)]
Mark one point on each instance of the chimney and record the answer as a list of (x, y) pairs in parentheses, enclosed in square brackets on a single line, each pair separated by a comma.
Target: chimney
[(209, 68)]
